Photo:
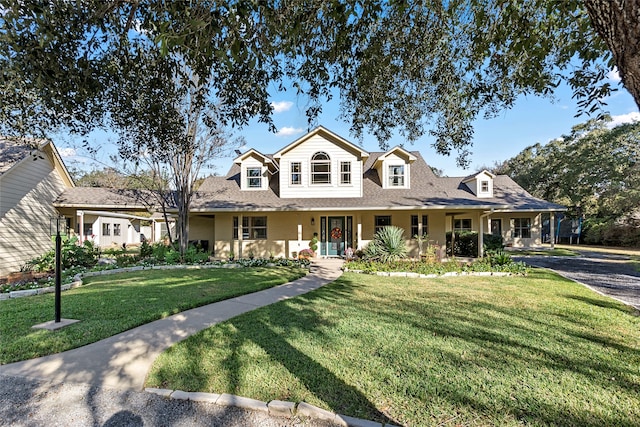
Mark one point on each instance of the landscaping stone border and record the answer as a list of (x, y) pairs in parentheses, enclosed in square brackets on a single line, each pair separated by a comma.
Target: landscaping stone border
[(275, 408), (432, 276), (77, 279)]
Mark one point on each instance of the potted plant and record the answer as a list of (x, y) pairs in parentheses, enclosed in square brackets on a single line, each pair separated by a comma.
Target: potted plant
[(232, 255), (313, 244)]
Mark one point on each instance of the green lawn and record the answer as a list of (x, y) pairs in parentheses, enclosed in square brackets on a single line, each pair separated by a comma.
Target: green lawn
[(536, 350), (543, 252), (111, 304)]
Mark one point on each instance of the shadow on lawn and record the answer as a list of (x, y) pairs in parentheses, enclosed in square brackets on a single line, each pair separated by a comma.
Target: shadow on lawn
[(299, 316), (513, 338)]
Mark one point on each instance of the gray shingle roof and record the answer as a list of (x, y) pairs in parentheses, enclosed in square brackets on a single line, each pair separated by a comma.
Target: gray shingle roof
[(106, 198), (12, 151), (427, 192)]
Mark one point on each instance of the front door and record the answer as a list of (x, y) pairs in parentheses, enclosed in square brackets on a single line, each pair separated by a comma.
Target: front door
[(496, 227), (335, 235)]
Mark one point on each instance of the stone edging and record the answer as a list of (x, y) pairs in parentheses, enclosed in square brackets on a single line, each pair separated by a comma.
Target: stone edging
[(276, 408), (77, 279), (432, 276)]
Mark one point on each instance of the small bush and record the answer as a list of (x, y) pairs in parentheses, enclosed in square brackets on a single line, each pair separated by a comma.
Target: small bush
[(72, 255), (388, 245)]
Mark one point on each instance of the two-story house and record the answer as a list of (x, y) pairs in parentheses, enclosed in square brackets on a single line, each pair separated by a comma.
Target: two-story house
[(323, 185)]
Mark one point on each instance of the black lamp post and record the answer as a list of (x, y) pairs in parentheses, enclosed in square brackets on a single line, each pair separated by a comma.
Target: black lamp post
[(58, 228)]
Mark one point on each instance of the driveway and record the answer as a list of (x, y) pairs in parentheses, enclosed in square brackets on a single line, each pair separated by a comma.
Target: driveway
[(606, 273)]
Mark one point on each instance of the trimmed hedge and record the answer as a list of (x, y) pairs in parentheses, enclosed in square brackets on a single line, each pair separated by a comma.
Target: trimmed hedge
[(466, 243)]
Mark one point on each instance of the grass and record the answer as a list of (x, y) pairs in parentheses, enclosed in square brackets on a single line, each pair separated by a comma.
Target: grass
[(536, 350), (111, 304), (543, 252), (634, 253)]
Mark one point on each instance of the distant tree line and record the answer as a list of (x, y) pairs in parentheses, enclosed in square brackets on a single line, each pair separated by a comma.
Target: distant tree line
[(594, 171)]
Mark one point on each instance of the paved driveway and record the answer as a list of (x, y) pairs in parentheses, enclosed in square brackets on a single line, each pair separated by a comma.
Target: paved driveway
[(608, 274)]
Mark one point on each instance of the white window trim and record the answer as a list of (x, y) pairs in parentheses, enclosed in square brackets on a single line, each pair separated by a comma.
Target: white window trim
[(404, 175), (350, 183), (312, 173), (291, 183), (248, 178)]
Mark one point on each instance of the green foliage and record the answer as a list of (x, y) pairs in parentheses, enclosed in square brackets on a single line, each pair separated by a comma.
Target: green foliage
[(465, 244), (146, 250), (313, 244), (388, 245), (75, 63), (612, 233), (498, 257), (594, 171), (493, 242), (72, 255)]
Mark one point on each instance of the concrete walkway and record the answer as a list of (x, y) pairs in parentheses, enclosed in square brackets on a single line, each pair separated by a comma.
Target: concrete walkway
[(122, 361)]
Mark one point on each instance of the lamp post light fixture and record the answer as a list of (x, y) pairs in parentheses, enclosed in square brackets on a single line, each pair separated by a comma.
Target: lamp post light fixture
[(58, 228)]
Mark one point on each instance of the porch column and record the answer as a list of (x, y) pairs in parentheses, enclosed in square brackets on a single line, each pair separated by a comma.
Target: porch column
[(240, 235), (80, 219), (481, 238), (552, 229), (359, 234)]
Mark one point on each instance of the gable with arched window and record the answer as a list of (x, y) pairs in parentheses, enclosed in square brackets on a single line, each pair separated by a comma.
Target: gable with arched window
[(320, 168)]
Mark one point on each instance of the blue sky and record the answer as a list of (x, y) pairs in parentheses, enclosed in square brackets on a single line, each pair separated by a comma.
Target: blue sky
[(531, 120)]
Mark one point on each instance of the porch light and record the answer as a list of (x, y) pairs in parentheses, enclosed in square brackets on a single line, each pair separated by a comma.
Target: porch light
[(313, 221)]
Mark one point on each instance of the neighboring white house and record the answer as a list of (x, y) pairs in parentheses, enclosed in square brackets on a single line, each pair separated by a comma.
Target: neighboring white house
[(31, 178)]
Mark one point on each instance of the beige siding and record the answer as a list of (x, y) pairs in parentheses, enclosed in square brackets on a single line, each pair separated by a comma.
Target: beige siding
[(303, 153), (202, 228), (507, 229), (26, 195)]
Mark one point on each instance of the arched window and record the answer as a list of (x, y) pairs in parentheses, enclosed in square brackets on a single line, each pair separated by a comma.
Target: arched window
[(320, 168)]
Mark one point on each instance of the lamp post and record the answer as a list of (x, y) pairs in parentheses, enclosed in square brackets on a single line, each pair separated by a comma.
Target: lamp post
[(58, 228)]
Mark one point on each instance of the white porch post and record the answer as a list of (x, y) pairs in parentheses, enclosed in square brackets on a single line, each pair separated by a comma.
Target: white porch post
[(80, 216), (240, 235), (359, 234), (481, 239), (552, 229)]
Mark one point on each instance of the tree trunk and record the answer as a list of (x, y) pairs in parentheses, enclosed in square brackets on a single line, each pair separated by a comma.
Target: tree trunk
[(618, 23)]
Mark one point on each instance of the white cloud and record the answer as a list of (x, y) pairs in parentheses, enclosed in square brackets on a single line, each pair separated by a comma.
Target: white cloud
[(623, 118), (614, 75), (67, 152), (281, 106), (289, 131)]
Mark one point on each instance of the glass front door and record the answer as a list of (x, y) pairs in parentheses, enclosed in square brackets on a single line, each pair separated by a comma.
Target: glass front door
[(335, 235)]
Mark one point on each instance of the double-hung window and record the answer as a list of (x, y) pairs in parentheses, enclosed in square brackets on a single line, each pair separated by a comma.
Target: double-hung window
[(253, 227), (382, 221), (254, 178), (320, 168), (396, 176), (522, 227), (116, 229), (414, 225), (462, 224), (106, 229), (296, 173), (345, 173)]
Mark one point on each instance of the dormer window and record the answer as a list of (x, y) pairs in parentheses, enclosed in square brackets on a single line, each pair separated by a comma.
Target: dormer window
[(396, 176), (254, 178), (320, 168), (484, 186)]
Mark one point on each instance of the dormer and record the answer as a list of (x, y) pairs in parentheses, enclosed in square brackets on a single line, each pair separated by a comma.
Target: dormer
[(255, 170), (394, 168), (481, 184), (321, 164)]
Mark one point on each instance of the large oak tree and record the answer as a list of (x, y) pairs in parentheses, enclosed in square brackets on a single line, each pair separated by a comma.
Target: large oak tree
[(398, 66)]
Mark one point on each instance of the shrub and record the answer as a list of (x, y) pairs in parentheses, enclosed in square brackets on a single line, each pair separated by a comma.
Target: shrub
[(492, 242), (85, 255), (388, 245), (466, 244)]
